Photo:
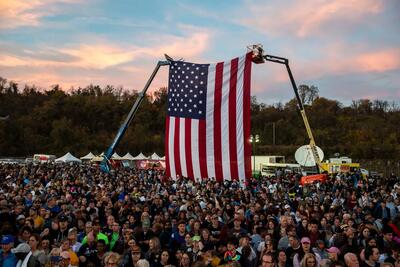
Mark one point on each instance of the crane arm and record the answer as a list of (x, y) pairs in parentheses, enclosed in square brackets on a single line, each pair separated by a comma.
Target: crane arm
[(105, 165)]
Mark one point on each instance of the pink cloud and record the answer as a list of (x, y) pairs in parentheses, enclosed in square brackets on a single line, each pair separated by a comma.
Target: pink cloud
[(379, 61), (338, 59), (303, 18), (16, 13), (101, 62)]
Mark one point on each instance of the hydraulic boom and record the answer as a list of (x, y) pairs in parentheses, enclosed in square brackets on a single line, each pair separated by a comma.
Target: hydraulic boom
[(259, 57), (105, 164)]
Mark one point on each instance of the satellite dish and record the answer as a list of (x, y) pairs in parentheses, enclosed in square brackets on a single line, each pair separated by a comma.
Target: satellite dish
[(304, 156)]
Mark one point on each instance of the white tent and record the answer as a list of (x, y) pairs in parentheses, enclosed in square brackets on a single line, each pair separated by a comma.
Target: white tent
[(162, 158), (68, 158), (140, 157), (97, 158), (89, 156), (115, 156), (128, 156), (155, 156)]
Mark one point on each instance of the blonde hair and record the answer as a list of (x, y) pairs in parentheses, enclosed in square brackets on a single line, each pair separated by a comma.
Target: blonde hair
[(112, 255), (307, 256), (142, 263)]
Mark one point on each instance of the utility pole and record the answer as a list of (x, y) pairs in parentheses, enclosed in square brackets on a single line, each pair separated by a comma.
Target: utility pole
[(273, 133)]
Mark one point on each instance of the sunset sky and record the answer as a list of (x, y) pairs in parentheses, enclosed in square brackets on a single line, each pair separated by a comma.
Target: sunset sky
[(350, 49)]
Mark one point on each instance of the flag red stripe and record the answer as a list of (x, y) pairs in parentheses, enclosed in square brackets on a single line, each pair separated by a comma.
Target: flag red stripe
[(167, 168), (246, 115), (232, 120), (217, 121), (202, 149), (188, 147), (177, 155)]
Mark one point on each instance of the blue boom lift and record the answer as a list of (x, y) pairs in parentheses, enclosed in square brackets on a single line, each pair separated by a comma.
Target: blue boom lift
[(105, 164)]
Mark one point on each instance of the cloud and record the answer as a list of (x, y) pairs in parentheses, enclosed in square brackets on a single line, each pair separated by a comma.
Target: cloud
[(339, 60), (17, 13), (304, 18), (379, 61), (101, 62)]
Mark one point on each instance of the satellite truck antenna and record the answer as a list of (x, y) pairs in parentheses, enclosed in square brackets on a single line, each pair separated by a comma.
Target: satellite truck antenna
[(259, 57)]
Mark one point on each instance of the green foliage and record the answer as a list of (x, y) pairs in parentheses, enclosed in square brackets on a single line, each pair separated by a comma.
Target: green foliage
[(87, 119)]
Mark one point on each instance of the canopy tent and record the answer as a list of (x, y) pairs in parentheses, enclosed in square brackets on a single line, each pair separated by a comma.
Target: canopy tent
[(89, 156), (115, 156), (68, 158), (155, 156), (128, 156), (162, 158), (140, 157)]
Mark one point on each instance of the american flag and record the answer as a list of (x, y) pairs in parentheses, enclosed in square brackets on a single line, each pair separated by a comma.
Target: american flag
[(208, 121)]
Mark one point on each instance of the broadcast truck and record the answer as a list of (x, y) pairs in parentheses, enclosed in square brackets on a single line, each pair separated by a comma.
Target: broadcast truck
[(268, 166)]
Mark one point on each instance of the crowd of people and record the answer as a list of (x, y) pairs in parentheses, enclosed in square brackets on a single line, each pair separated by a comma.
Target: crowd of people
[(75, 215)]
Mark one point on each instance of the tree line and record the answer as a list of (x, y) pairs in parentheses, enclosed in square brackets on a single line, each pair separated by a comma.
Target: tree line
[(80, 120)]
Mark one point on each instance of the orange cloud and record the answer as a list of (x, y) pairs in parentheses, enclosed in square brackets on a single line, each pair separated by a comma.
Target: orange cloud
[(101, 63), (16, 13)]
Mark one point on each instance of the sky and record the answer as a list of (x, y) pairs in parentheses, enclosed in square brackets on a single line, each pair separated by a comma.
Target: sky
[(349, 49)]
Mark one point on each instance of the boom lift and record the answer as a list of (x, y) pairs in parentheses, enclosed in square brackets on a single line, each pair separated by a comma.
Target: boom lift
[(258, 58), (105, 164)]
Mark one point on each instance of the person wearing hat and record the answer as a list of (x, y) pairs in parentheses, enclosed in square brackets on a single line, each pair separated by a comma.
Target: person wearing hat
[(197, 247), (333, 255), (24, 255), (20, 220), (305, 248), (7, 258)]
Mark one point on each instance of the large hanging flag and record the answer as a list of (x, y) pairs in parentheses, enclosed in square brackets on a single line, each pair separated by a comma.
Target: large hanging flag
[(208, 120)]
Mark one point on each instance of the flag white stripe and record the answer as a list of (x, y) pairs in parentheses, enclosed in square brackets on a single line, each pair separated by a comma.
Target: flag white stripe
[(239, 119), (182, 151), (210, 121), (226, 168), (171, 153), (195, 149)]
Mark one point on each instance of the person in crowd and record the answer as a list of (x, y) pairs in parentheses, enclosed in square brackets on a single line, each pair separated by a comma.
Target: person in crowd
[(267, 260), (112, 259), (305, 248), (185, 260), (371, 255), (164, 259), (309, 260), (7, 257), (153, 254), (36, 248), (177, 239), (351, 260), (282, 259), (24, 255), (65, 260)]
